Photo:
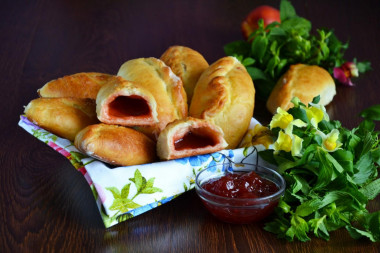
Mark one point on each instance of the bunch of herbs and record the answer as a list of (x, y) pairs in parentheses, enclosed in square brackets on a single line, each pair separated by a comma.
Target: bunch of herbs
[(328, 190), (270, 50)]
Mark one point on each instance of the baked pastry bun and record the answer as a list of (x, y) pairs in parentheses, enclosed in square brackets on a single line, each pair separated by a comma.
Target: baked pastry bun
[(302, 81), (64, 117), (123, 102), (186, 63), (80, 85), (189, 137), (116, 145), (225, 95), (166, 88)]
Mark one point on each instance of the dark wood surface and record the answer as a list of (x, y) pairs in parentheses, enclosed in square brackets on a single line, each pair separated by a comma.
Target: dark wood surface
[(46, 205)]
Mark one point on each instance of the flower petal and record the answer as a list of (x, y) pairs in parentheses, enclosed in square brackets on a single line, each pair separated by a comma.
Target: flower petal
[(258, 135), (284, 142), (281, 119), (296, 145)]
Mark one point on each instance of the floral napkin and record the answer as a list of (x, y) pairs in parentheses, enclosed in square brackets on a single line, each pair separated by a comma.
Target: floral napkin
[(124, 192)]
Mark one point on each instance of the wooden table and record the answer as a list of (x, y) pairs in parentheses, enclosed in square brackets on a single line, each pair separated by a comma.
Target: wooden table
[(46, 205)]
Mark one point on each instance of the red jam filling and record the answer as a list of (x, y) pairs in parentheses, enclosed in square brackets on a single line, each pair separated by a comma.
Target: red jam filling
[(192, 140), (128, 106), (245, 186)]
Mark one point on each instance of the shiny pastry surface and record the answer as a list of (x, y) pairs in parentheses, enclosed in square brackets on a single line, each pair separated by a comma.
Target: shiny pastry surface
[(225, 95), (116, 145), (64, 117), (186, 63), (80, 85)]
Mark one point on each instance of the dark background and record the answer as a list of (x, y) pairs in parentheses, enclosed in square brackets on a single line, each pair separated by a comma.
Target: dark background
[(47, 206)]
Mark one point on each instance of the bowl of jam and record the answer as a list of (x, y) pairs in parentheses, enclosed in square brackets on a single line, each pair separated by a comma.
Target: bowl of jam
[(239, 193)]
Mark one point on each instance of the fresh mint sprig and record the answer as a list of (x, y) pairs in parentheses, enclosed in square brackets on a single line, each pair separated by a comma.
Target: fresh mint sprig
[(331, 173)]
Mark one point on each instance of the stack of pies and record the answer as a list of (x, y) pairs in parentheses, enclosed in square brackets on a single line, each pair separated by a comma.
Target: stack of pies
[(152, 109)]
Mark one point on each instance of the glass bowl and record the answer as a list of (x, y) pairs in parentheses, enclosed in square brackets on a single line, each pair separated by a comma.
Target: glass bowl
[(239, 210)]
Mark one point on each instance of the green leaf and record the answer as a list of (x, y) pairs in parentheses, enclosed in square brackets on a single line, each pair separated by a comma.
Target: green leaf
[(118, 205), (345, 159), (77, 155), (299, 228), (344, 200), (267, 155), (319, 228), (364, 169), (286, 10), (259, 47), (366, 144), (336, 219), (123, 205), (130, 204), (366, 126), (371, 190), (285, 164), (376, 155), (371, 113), (335, 163), (248, 61), (245, 151), (138, 180), (371, 227), (150, 190), (300, 25), (150, 182), (125, 191), (276, 32), (373, 223), (277, 226), (115, 192), (357, 233), (316, 99), (256, 73), (284, 206), (309, 207), (325, 174), (363, 66), (328, 126), (353, 141), (300, 184), (299, 113)]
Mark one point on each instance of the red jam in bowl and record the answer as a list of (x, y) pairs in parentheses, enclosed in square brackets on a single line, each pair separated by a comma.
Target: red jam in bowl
[(235, 185), (241, 197)]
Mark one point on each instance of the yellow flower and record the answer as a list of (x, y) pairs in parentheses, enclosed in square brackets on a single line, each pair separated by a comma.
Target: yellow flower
[(281, 119), (316, 113), (284, 142), (288, 143), (330, 141), (296, 146), (258, 135)]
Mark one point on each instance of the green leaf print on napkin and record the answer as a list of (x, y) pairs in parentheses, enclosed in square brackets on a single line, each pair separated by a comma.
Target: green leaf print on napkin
[(122, 203), (43, 135)]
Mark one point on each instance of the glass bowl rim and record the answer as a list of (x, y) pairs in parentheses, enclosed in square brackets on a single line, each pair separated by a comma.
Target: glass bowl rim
[(255, 201)]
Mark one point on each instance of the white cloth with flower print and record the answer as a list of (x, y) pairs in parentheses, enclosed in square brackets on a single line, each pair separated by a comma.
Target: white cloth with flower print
[(124, 192)]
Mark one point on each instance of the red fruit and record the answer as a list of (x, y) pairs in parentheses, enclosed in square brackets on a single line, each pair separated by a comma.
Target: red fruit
[(265, 12)]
